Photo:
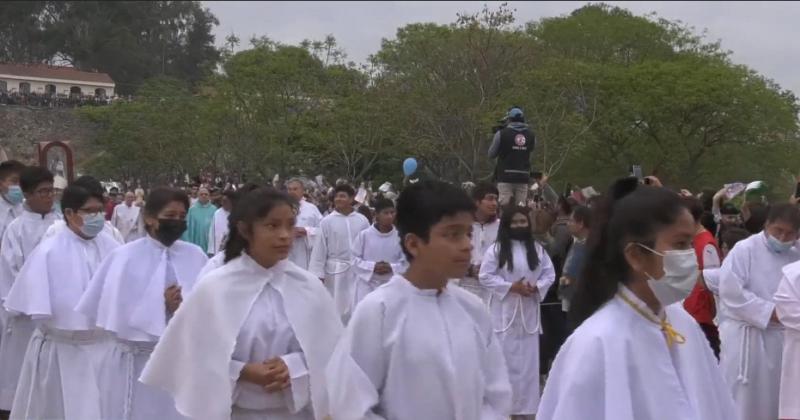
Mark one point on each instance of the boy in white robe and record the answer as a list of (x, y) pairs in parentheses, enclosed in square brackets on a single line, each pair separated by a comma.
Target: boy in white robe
[(636, 353), (332, 255), (19, 240), (265, 358), (132, 295), (377, 253), (11, 196), (751, 332), (516, 293), (126, 217), (59, 372), (484, 235), (416, 348), (308, 219), (91, 184)]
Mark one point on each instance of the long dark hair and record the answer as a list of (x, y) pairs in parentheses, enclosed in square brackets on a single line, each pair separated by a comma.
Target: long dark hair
[(250, 207), (504, 254), (628, 213)]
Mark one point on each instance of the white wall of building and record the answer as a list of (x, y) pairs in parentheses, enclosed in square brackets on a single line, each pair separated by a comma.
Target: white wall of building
[(62, 87)]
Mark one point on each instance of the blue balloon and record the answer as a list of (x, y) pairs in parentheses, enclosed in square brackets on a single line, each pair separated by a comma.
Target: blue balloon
[(409, 166)]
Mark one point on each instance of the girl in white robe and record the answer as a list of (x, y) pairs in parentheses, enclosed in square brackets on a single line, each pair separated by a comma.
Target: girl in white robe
[(132, 295), (59, 373), (253, 340), (416, 348), (636, 355), (518, 272), (376, 252)]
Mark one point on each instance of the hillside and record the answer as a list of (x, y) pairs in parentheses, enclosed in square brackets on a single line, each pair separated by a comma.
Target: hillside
[(22, 127)]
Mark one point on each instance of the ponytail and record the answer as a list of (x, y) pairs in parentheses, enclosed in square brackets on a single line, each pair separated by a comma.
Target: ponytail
[(628, 213)]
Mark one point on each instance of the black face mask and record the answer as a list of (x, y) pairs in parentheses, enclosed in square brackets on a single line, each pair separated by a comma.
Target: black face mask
[(519, 234), (169, 230)]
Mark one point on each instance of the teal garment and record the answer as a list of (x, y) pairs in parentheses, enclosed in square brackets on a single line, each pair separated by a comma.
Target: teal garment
[(198, 223)]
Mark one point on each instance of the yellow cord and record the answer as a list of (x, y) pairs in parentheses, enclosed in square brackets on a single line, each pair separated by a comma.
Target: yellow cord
[(671, 335)]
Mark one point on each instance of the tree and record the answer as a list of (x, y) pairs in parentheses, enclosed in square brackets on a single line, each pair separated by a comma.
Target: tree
[(132, 41)]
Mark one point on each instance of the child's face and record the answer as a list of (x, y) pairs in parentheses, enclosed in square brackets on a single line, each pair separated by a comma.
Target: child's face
[(488, 206), (386, 217), (448, 249), (271, 237), (12, 179)]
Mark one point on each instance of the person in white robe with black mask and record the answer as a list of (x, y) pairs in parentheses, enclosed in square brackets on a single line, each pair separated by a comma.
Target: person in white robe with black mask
[(751, 332), (59, 372), (19, 240), (265, 358), (132, 295), (517, 272), (636, 353), (377, 254), (308, 218), (332, 254), (417, 348)]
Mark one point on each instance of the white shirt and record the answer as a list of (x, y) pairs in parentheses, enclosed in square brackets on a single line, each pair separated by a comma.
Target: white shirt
[(20, 238), (126, 293), (787, 303), (413, 354), (125, 219), (8, 212), (60, 225), (484, 235), (373, 246), (218, 232), (54, 277), (308, 217), (617, 366)]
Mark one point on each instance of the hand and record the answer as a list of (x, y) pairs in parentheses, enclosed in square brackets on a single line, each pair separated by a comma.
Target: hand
[(382, 268), (173, 298), (522, 288), (544, 180), (653, 181), (686, 194), (794, 200), (564, 281), (272, 374), (300, 232)]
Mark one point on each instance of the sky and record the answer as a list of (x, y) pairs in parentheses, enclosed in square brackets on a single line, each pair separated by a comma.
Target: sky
[(761, 35)]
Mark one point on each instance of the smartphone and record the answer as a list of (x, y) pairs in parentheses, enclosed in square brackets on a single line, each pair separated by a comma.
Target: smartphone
[(636, 170), (797, 190)]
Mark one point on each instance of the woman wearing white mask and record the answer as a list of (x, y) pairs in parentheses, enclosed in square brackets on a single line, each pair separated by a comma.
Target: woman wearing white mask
[(635, 355), (132, 295), (59, 373)]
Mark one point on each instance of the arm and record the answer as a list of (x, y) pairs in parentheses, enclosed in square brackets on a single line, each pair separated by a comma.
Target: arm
[(357, 369), (11, 260), (490, 277), (733, 291), (711, 257), (494, 148), (212, 239), (547, 275), (319, 254), (787, 303), (711, 280), (716, 204), (364, 269)]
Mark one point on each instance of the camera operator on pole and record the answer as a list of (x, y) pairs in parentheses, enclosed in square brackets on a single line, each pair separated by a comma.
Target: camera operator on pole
[(512, 146)]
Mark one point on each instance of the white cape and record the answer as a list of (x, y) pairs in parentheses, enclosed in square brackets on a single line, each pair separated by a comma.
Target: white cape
[(617, 366), (191, 361), (787, 304)]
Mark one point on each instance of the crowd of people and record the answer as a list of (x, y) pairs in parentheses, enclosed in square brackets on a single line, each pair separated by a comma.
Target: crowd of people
[(42, 100), (297, 301)]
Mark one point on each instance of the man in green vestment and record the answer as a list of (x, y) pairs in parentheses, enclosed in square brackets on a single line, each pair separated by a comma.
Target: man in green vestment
[(199, 219)]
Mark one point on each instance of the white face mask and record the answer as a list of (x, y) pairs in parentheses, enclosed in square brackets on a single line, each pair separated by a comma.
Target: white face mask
[(680, 275)]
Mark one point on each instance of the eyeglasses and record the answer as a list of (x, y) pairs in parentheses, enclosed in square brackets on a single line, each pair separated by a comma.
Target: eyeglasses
[(91, 212), (45, 192)]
